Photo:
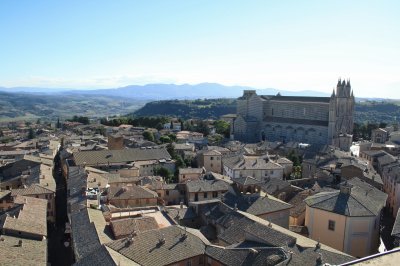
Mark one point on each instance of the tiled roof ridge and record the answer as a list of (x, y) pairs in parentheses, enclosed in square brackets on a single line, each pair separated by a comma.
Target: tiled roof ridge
[(365, 207)]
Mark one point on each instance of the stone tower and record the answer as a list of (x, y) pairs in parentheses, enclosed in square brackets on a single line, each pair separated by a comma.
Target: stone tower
[(341, 111)]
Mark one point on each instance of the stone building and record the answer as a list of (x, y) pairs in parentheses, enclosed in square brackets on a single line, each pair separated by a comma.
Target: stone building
[(313, 120)]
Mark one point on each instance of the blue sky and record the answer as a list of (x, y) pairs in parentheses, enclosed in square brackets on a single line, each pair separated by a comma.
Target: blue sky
[(290, 45)]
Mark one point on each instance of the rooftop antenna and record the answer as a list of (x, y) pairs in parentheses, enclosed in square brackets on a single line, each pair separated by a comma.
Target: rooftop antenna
[(184, 235)]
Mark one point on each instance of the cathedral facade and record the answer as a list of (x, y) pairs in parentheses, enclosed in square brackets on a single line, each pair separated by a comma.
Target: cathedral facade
[(312, 120)]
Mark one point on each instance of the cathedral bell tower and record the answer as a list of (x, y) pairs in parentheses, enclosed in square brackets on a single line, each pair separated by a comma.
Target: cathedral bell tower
[(341, 113)]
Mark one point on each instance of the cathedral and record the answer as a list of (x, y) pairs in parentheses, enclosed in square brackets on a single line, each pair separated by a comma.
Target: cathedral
[(313, 120)]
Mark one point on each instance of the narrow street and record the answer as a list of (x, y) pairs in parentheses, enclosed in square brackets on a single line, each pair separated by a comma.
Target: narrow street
[(387, 226), (58, 253)]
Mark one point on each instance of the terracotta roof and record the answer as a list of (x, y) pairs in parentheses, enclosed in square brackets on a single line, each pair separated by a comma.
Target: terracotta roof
[(190, 171), (363, 200), (131, 192), (255, 204), (248, 180), (161, 247), (84, 235), (32, 218), (33, 189), (119, 156), (247, 162), (98, 257), (124, 227), (246, 256), (30, 252), (206, 185)]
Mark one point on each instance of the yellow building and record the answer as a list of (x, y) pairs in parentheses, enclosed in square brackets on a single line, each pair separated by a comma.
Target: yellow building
[(347, 220)]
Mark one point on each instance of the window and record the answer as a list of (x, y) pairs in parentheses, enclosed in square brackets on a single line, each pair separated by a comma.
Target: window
[(212, 165), (167, 192), (189, 263), (215, 194), (331, 225), (205, 195), (211, 158)]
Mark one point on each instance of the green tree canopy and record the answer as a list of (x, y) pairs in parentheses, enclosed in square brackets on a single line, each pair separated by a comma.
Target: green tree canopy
[(222, 127), (148, 136), (31, 133)]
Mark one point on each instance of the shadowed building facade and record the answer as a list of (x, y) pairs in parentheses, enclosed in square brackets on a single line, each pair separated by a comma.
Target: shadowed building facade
[(313, 120)]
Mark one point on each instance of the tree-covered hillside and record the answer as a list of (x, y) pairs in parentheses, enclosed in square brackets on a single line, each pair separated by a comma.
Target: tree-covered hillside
[(185, 109), (377, 112)]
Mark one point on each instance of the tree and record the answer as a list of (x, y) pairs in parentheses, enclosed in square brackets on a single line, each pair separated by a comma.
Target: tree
[(148, 135), (222, 127), (81, 119), (294, 158), (101, 130), (159, 126), (179, 162), (165, 139), (31, 133), (171, 150), (202, 127), (164, 172), (58, 125), (172, 136), (382, 125)]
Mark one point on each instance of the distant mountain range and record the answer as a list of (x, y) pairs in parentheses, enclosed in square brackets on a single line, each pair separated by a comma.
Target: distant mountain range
[(167, 91)]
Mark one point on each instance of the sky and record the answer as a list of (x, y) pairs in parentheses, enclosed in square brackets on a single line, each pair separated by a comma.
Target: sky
[(287, 45)]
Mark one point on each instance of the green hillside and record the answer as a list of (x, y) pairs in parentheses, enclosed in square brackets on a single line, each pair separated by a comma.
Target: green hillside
[(185, 109)]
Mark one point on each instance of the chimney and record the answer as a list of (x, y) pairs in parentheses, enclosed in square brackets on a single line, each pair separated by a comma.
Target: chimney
[(161, 241), (345, 188), (319, 259), (269, 223), (20, 243), (235, 208), (318, 245), (181, 204)]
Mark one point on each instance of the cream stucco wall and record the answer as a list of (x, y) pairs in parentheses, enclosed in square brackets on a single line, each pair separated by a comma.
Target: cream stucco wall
[(357, 236), (213, 163), (317, 223)]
